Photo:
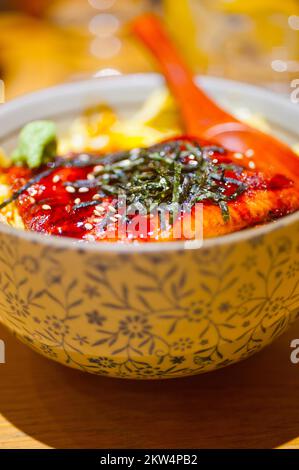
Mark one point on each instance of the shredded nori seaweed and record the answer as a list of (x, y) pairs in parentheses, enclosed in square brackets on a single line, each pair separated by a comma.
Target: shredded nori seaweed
[(161, 174)]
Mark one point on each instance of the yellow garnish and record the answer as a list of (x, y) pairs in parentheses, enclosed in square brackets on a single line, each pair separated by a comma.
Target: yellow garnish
[(5, 161)]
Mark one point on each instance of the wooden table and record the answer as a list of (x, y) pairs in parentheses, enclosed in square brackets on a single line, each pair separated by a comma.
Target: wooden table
[(251, 404)]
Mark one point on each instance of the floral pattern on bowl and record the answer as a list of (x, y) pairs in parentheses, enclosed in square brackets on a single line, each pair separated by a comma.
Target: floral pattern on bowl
[(150, 315), (159, 313)]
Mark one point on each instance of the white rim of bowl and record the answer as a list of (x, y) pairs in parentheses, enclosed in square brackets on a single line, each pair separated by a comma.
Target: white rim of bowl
[(145, 79)]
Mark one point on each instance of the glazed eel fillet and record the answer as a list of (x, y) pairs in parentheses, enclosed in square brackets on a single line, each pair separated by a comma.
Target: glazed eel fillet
[(78, 195)]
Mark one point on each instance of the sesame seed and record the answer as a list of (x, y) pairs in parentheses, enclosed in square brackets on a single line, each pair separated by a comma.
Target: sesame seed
[(88, 226), (113, 219), (98, 168), (77, 200), (90, 176), (56, 178), (70, 189), (46, 207), (238, 155), (99, 208), (32, 200), (84, 189), (96, 197), (97, 213), (112, 209), (84, 157), (90, 238), (117, 216), (251, 165), (32, 192), (249, 153)]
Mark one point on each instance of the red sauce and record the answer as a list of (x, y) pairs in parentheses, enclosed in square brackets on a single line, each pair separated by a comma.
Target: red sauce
[(279, 182), (49, 205)]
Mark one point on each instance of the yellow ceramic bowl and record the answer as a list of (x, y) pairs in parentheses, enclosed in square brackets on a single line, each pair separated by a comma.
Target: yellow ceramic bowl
[(155, 310)]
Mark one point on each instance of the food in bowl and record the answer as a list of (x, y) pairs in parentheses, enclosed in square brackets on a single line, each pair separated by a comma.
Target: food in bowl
[(107, 179), (146, 310)]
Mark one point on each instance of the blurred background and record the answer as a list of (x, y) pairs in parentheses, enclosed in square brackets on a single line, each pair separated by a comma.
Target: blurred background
[(45, 42)]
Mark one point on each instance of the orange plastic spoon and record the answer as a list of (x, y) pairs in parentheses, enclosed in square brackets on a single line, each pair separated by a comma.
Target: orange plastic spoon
[(202, 117)]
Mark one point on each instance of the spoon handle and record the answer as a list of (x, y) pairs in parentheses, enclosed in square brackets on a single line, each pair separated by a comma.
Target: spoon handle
[(199, 111), (202, 117)]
